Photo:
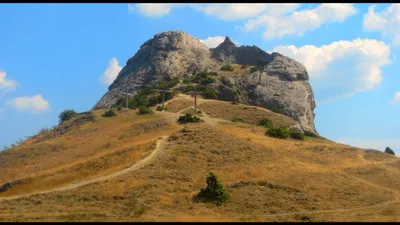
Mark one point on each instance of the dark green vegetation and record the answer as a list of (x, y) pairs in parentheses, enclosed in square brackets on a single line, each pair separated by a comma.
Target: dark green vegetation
[(227, 67), (188, 119), (389, 151), (297, 134), (278, 132), (214, 191), (67, 115), (109, 113), (267, 123), (148, 97), (144, 110)]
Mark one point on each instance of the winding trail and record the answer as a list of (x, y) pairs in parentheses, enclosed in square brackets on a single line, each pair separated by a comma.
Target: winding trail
[(136, 166), (213, 122)]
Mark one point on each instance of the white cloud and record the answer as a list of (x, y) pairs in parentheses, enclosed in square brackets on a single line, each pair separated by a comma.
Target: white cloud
[(111, 72), (5, 84), (35, 104), (235, 11), (396, 99), (377, 144), (152, 9), (223, 11), (213, 42), (273, 17), (343, 67), (386, 21), (298, 22)]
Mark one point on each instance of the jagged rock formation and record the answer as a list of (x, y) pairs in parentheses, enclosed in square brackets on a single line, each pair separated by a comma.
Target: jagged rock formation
[(279, 83)]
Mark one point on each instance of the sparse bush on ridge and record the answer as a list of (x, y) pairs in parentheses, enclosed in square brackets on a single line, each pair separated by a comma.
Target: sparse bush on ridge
[(67, 115), (296, 134), (267, 123), (188, 118), (389, 151), (253, 69), (109, 113), (278, 132), (144, 110), (311, 134), (215, 190)]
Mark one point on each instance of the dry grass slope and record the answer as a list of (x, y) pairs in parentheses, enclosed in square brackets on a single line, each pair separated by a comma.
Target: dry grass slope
[(268, 179)]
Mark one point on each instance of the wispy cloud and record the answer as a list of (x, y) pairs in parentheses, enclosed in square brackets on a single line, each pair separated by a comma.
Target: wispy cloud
[(111, 72), (34, 104), (299, 22), (6, 84), (396, 99), (278, 20), (341, 68), (387, 22)]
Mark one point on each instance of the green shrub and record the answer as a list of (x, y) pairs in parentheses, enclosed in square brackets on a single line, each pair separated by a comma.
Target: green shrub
[(253, 69), (67, 115), (227, 67), (276, 110), (215, 190), (188, 118), (210, 93), (109, 113), (207, 80), (278, 132), (267, 123), (159, 108), (311, 134), (389, 151), (234, 103), (154, 100), (144, 110), (297, 134)]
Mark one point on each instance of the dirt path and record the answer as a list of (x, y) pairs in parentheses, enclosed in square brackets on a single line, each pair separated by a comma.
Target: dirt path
[(136, 166), (213, 122)]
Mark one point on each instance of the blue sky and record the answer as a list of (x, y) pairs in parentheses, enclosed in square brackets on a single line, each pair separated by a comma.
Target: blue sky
[(63, 56)]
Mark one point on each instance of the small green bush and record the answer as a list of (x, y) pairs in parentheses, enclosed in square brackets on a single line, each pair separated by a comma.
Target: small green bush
[(267, 123), (227, 67), (210, 93), (188, 118), (296, 134), (159, 108), (215, 190), (144, 110), (253, 69), (311, 134), (276, 110), (278, 132), (389, 151), (67, 115), (109, 113), (234, 103)]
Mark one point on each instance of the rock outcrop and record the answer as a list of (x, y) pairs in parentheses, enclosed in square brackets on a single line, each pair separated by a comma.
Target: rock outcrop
[(278, 82)]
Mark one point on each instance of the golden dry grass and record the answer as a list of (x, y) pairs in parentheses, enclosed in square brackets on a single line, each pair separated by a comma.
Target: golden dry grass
[(268, 179)]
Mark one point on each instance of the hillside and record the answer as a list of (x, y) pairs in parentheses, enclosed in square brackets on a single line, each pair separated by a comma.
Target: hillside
[(150, 168)]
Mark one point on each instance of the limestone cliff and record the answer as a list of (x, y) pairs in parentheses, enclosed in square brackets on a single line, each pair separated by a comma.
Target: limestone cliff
[(278, 82)]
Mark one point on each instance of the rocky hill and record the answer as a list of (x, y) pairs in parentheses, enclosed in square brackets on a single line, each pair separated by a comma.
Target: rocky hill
[(272, 81)]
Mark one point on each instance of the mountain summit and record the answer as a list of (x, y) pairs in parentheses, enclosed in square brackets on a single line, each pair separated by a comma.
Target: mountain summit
[(272, 81)]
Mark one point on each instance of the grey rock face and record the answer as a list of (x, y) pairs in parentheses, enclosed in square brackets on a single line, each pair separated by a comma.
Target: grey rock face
[(279, 83)]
